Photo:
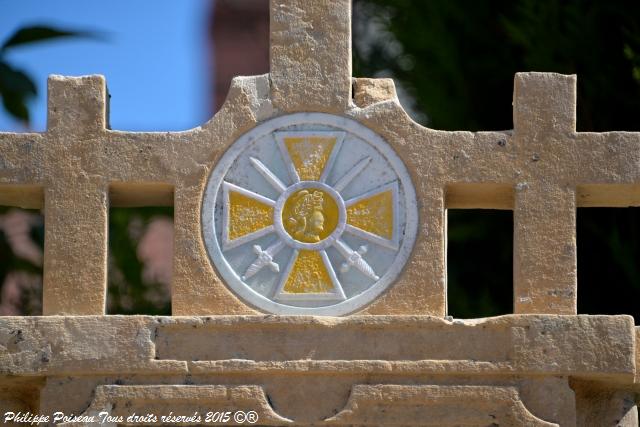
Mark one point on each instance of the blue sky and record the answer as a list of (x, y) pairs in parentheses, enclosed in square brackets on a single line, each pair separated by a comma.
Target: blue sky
[(154, 58)]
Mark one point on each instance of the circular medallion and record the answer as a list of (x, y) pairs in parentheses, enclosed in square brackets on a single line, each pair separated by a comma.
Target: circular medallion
[(309, 213)]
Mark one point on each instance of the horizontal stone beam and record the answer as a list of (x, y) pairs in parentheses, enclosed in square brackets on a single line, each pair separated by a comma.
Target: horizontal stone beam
[(21, 158), (32, 346), (599, 347), (607, 158)]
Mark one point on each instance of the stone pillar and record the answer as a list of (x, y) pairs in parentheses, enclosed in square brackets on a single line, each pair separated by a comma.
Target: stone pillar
[(545, 277), (76, 198), (311, 55)]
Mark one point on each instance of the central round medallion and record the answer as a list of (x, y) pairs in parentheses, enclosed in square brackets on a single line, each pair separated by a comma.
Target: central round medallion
[(310, 215)]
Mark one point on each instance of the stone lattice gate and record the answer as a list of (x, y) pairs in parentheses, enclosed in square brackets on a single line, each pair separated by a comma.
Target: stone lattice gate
[(312, 195)]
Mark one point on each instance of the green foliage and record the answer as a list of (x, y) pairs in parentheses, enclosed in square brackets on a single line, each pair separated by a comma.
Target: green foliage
[(608, 254), (39, 33), (128, 292), (16, 87), (479, 276), (10, 262), (458, 59)]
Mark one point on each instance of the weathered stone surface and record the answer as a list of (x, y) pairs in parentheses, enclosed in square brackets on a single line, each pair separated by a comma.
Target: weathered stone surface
[(544, 212), (390, 363), (600, 404), (543, 176), (311, 55), (371, 91), (435, 406), (313, 356), (123, 401), (68, 345), (638, 355), (549, 398)]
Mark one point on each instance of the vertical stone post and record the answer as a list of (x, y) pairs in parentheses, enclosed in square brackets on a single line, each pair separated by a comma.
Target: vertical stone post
[(76, 198), (311, 55), (545, 277)]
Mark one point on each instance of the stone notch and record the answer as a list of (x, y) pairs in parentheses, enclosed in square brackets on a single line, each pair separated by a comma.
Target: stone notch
[(311, 55)]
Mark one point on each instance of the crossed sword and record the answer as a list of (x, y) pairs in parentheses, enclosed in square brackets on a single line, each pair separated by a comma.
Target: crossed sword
[(352, 259)]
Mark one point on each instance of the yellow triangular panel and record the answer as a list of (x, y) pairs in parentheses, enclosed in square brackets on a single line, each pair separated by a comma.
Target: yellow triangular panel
[(247, 215), (373, 214), (309, 154), (308, 275)]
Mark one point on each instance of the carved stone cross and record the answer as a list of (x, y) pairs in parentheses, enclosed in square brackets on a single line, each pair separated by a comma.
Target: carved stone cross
[(542, 170), (313, 192)]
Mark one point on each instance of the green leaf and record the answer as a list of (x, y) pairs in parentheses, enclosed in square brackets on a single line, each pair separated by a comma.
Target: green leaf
[(39, 33), (16, 106), (12, 80), (15, 89)]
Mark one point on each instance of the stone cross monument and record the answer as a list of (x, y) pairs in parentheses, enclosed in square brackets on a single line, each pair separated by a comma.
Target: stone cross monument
[(309, 283)]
